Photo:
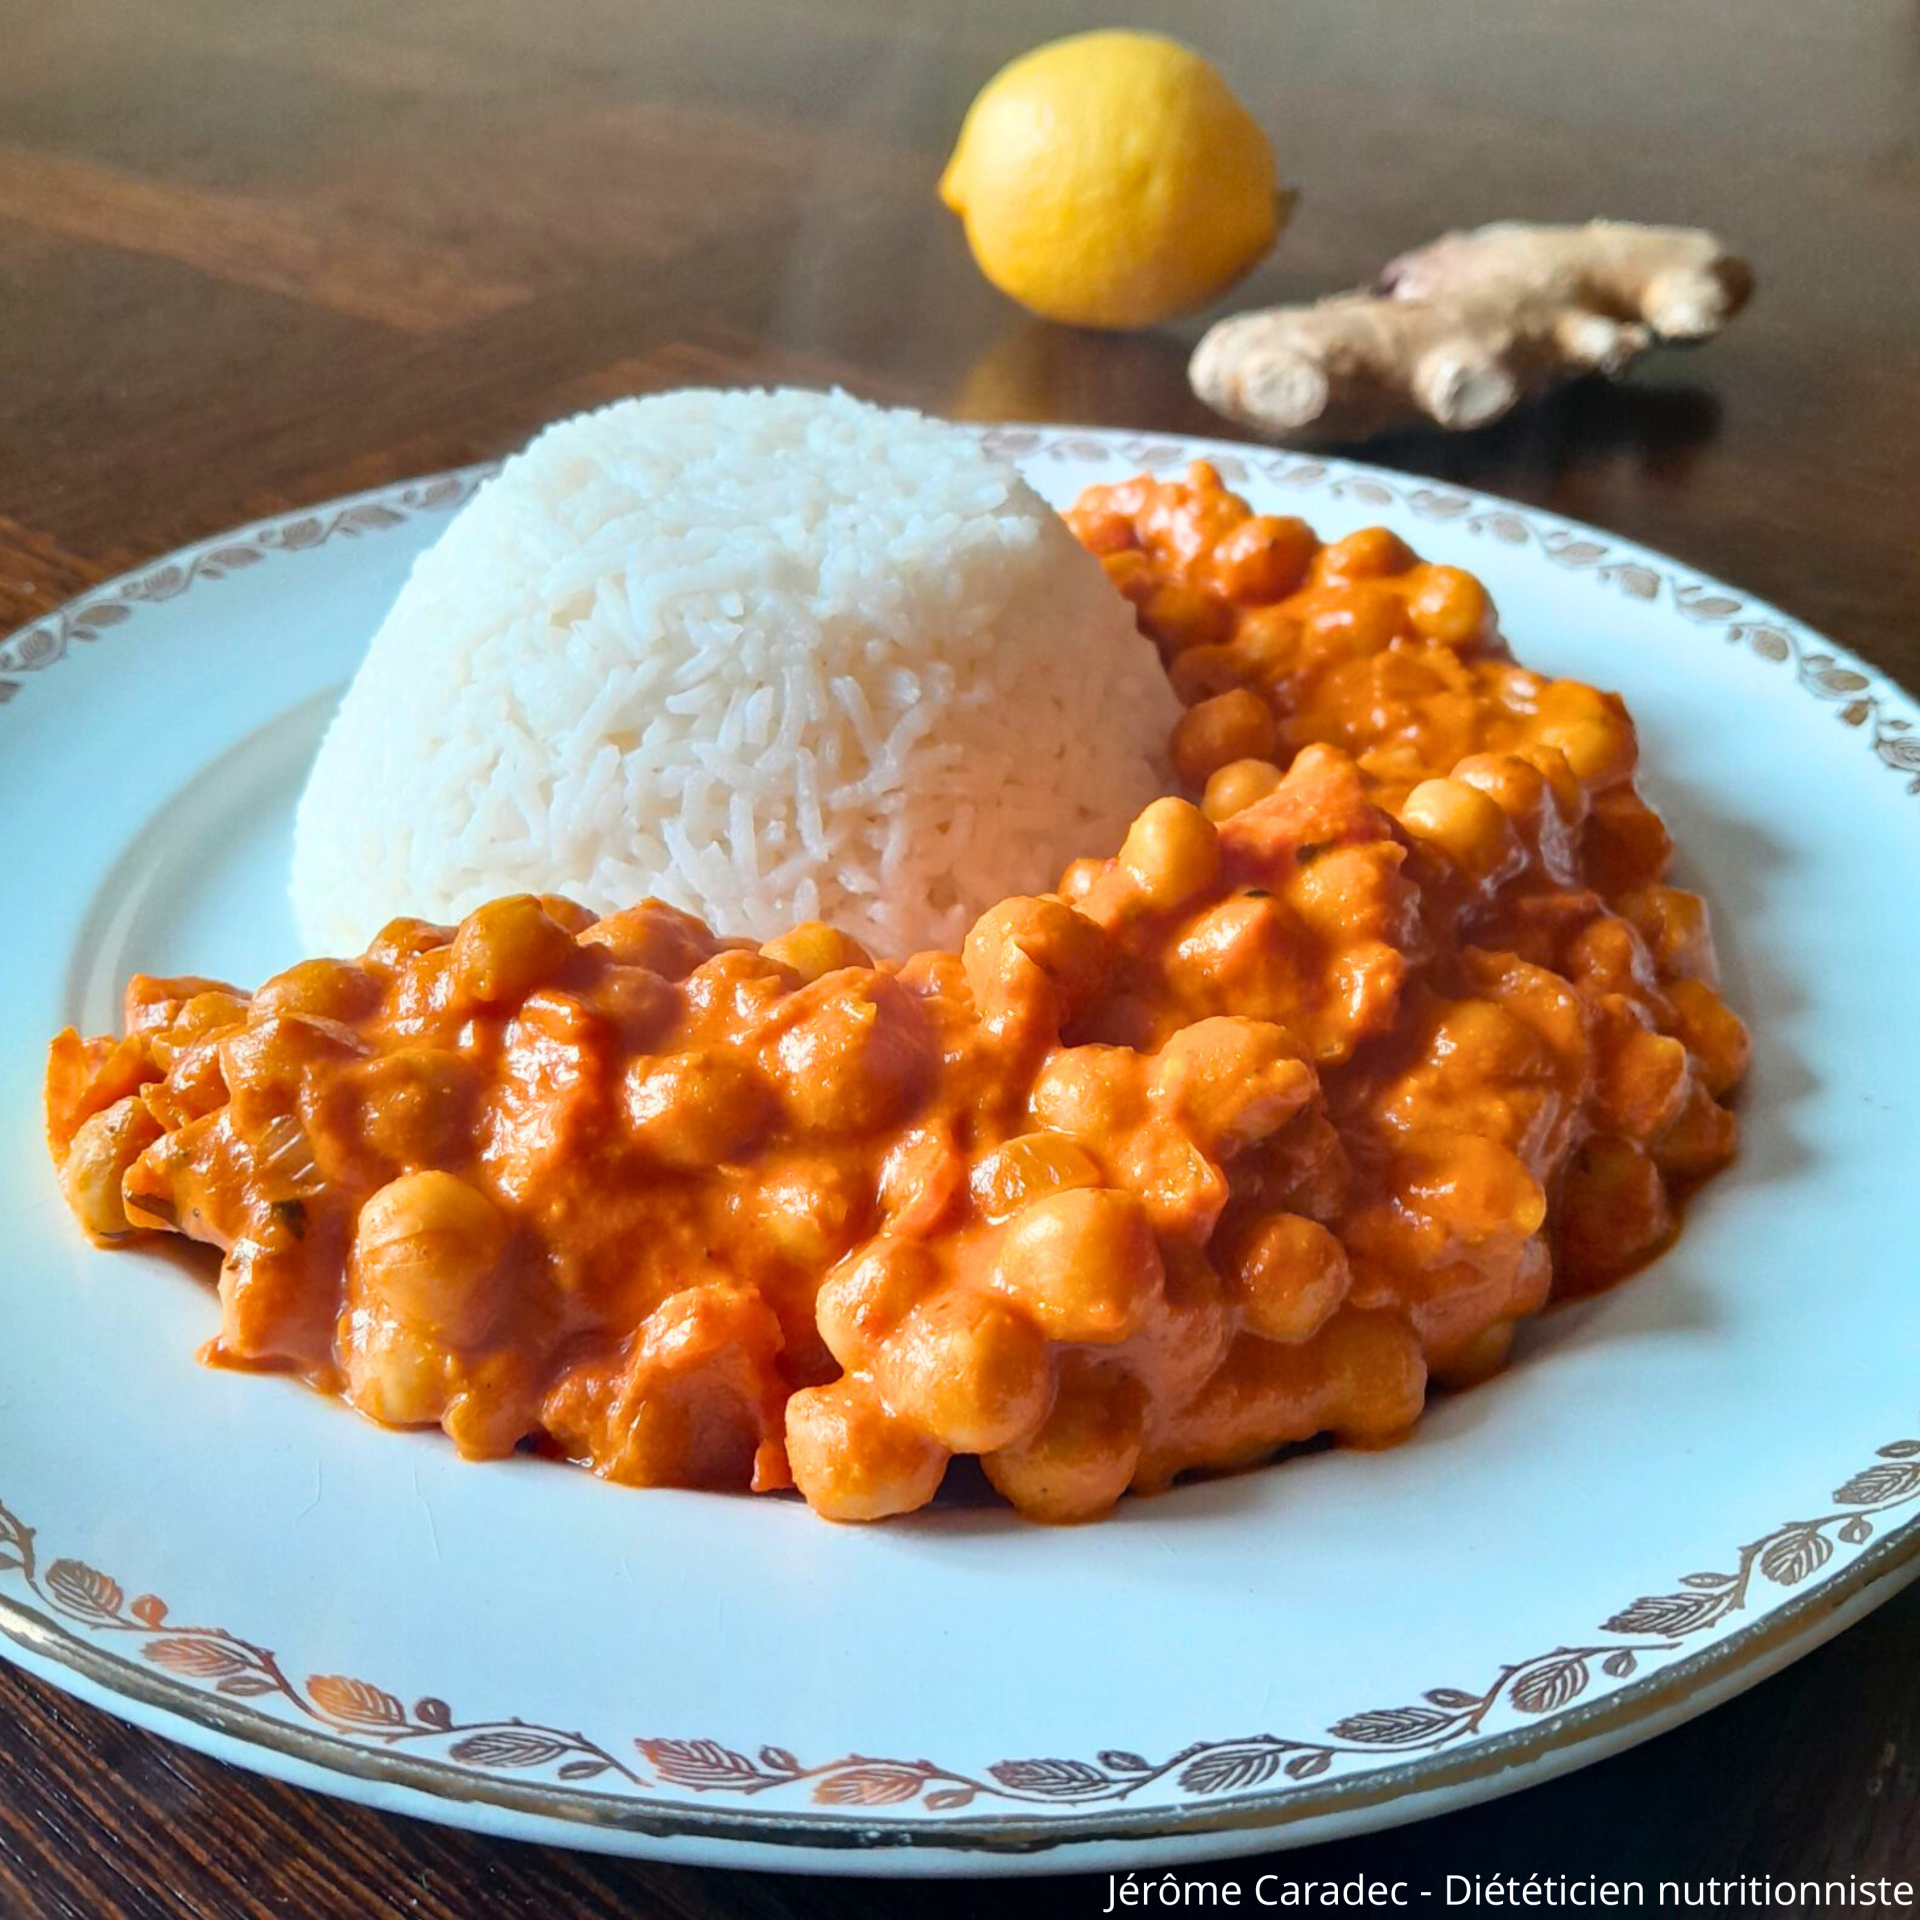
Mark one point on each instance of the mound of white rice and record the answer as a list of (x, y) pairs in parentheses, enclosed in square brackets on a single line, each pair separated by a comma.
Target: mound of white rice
[(769, 656)]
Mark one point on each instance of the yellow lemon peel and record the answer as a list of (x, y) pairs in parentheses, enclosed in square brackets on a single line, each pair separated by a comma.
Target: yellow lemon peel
[(1111, 179)]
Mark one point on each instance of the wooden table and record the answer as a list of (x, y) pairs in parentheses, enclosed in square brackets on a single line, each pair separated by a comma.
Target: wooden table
[(253, 256)]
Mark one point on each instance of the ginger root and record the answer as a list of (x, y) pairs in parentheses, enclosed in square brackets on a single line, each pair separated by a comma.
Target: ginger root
[(1464, 328)]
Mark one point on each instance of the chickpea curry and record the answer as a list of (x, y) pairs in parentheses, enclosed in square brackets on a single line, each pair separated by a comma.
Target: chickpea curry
[(1248, 1134)]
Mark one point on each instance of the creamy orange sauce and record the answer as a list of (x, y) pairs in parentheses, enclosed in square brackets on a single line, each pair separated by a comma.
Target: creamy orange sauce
[(1248, 1134)]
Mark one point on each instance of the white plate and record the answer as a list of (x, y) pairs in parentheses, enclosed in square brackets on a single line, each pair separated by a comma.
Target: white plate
[(1676, 1488)]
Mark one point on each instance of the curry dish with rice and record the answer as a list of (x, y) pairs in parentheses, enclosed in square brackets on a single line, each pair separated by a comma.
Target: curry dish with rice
[(1248, 1134)]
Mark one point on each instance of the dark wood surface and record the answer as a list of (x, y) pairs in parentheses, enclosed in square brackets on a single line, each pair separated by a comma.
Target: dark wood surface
[(253, 255)]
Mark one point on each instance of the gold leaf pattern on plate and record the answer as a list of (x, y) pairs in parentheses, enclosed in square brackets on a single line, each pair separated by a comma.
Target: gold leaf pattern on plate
[(349, 1709)]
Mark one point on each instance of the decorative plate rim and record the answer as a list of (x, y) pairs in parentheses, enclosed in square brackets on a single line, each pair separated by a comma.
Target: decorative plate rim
[(206, 1676), (350, 1707)]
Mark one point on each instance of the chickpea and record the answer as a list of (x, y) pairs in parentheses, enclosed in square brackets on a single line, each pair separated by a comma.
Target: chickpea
[(1244, 952), (1371, 554), (1600, 753), (1289, 1273), (922, 1179), (1339, 891), (1237, 786), (695, 1397), (1516, 786), (1231, 726), (271, 1313), (422, 997), (1373, 1376), (1019, 1171), (870, 1293), (655, 936), (1675, 925), (1180, 1188), (414, 1104), (1182, 522), (853, 1460), (934, 977), (1566, 797), (491, 1409), (1124, 497), (1091, 1092), (1480, 1189), (507, 948), (1476, 1053), (1033, 960), (1132, 572), (193, 1088), (1640, 1078), (1084, 1263), (814, 949), (428, 1246), (1450, 606), (331, 989), (1467, 826), (1712, 1033), (1233, 1081), (1268, 641), (1179, 618), (1699, 1138), (404, 939), (1591, 729), (1104, 533), (1264, 558), (566, 913), (811, 1214), (213, 1011), (394, 1375), (1608, 956), (1356, 621), (1171, 854), (151, 1005), (1080, 878), (1082, 1458), (1205, 671), (855, 1058), (697, 1110), (1265, 648), (642, 1007), (1626, 846), (265, 1063), (1477, 1357), (551, 1022), (967, 1369), (96, 1162), (1612, 1213), (1193, 1330), (739, 986)]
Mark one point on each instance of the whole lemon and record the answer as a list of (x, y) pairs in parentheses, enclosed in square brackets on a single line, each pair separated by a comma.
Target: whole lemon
[(1111, 179)]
